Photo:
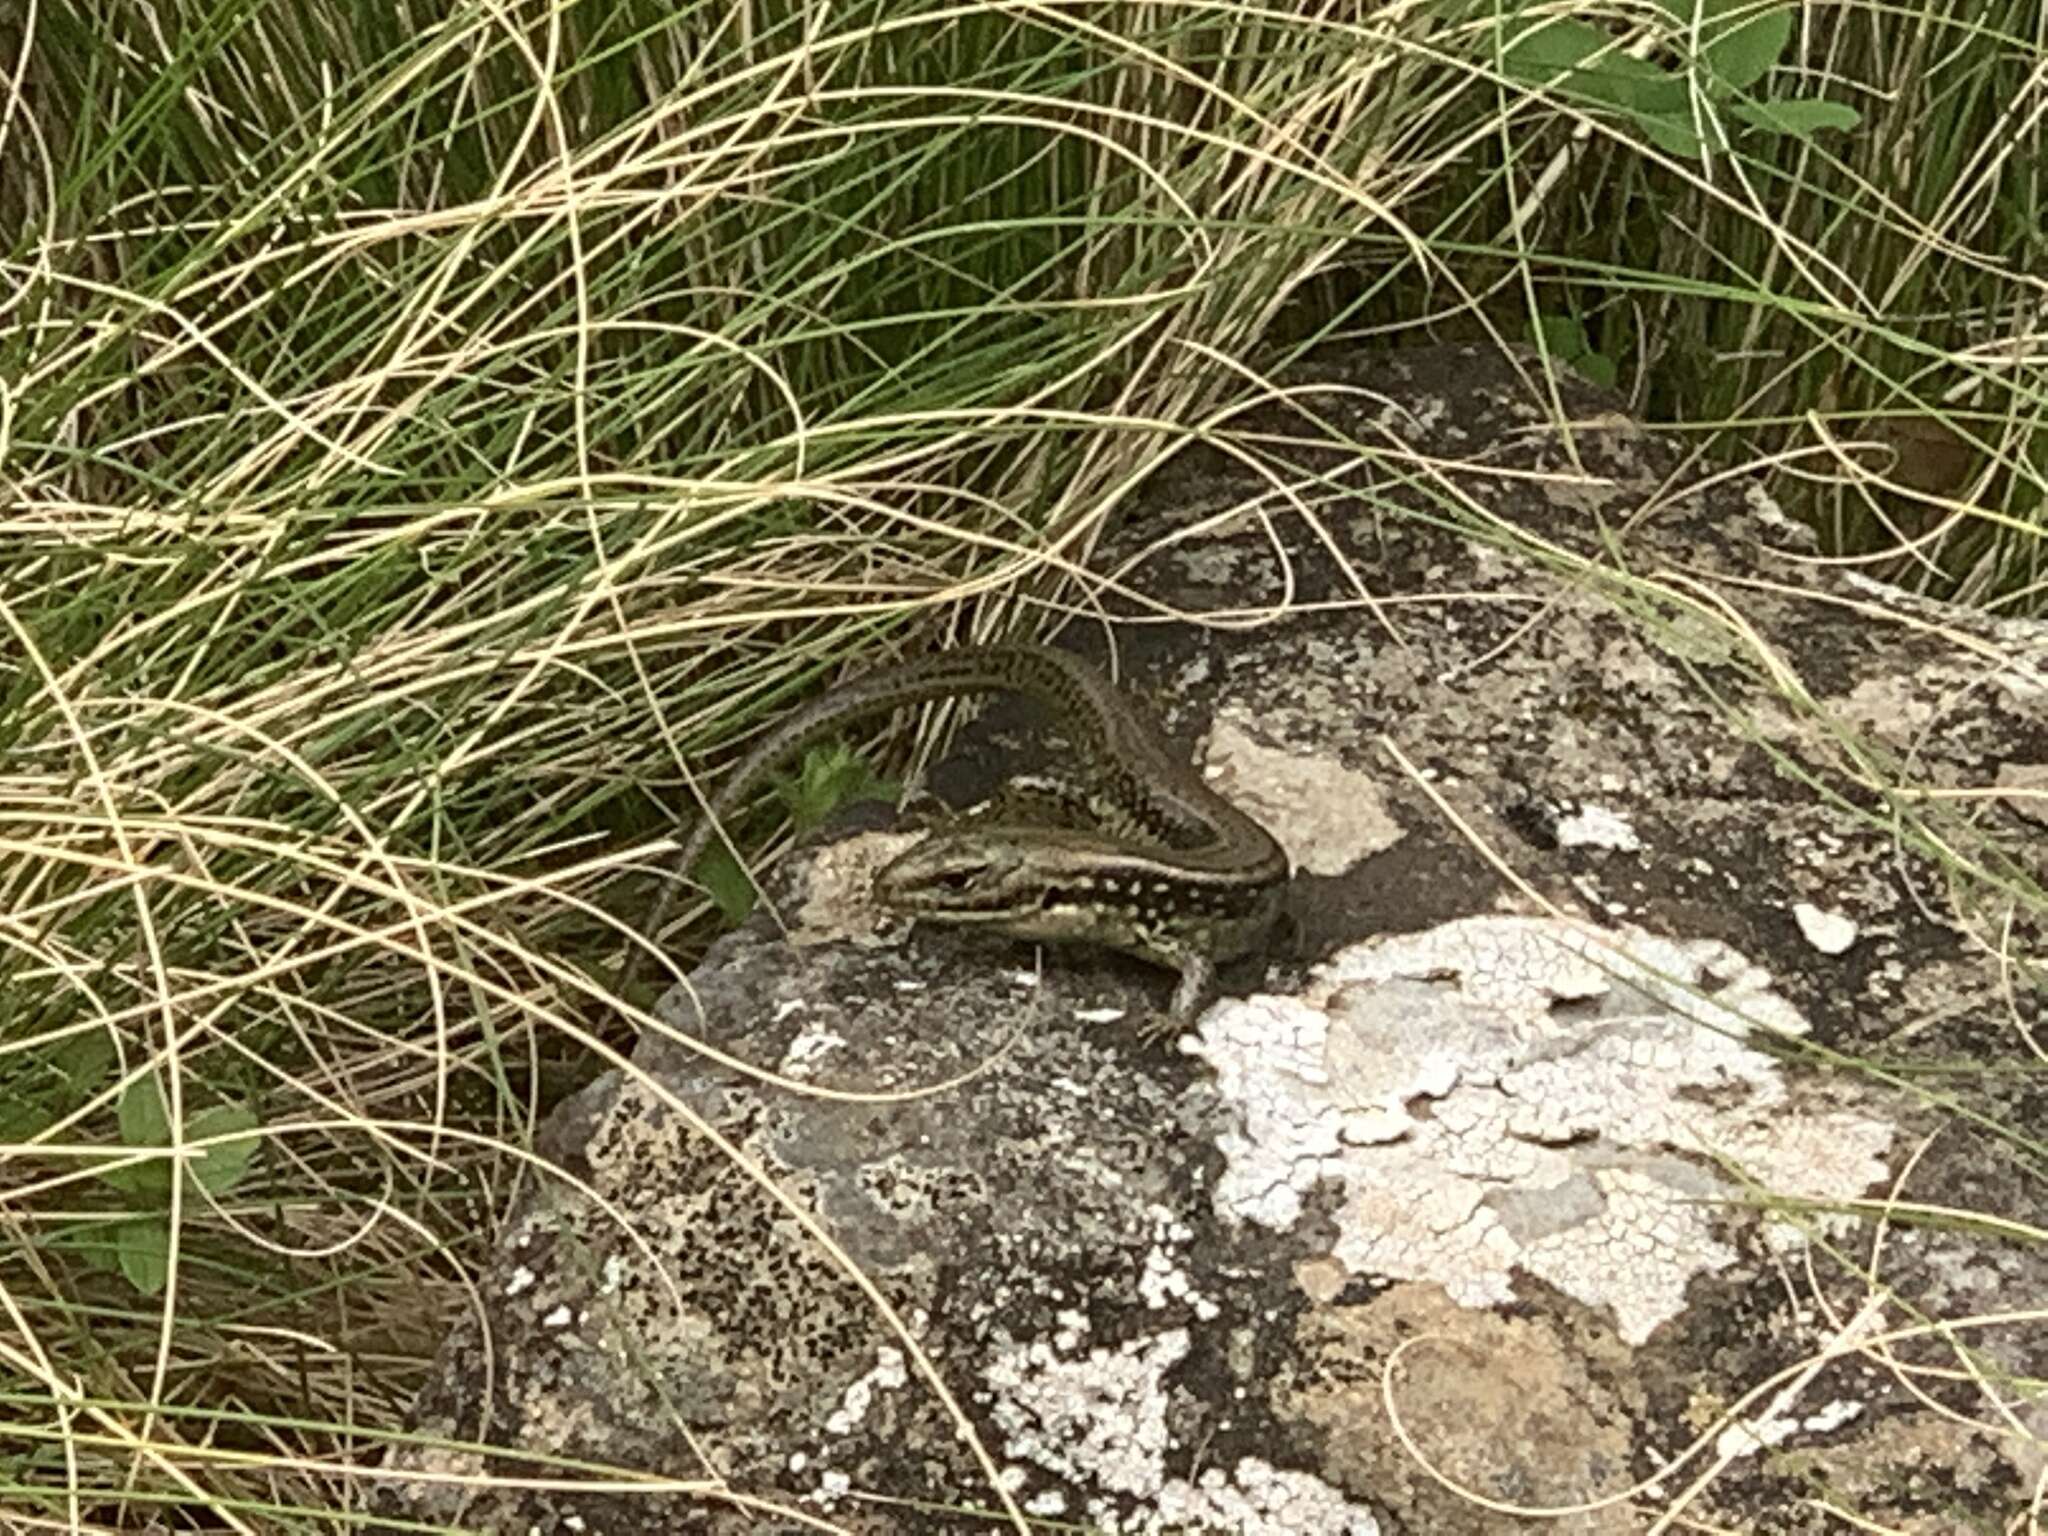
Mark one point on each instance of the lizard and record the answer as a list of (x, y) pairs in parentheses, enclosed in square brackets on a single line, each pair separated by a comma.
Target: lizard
[(1172, 873)]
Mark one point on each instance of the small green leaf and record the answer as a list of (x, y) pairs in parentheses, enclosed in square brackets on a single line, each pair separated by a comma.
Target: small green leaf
[(1672, 133), (1598, 368), (145, 1250), (219, 1168), (149, 1183), (101, 1249), (145, 1125), (1798, 118), (1743, 54), (143, 1121), (1562, 336), (84, 1059), (831, 777), (726, 883)]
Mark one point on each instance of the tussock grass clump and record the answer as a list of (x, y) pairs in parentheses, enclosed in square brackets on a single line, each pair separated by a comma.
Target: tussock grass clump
[(432, 437)]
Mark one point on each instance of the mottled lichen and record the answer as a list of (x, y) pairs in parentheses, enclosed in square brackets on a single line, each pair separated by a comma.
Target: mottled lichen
[(1505, 1093)]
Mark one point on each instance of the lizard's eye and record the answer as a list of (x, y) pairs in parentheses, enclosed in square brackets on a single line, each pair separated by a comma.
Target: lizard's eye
[(957, 879)]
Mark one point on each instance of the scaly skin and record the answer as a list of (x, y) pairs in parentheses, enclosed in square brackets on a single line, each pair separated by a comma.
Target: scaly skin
[(1179, 876)]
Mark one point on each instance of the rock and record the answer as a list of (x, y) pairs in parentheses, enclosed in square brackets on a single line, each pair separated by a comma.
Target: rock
[(1517, 1180)]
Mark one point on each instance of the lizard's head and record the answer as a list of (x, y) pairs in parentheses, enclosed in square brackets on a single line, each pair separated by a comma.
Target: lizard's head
[(962, 877), (1042, 883)]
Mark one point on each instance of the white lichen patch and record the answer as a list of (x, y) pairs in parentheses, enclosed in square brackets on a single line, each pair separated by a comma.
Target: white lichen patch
[(1829, 932), (1595, 826), (1096, 1420), (1325, 815), (811, 1047), (1505, 1093), (1763, 506), (888, 1375), (837, 904), (1100, 1421), (1261, 1500), (1745, 1437), (1165, 1281)]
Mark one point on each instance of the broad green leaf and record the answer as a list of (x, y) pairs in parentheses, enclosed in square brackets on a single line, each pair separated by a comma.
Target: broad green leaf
[(1622, 80), (145, 1249), (217, 1169), (1743, 54), (1684, 12), (143, 1121), (1672, 133), (1615, 79), (1798, 118), (20, 1121), (1553, 48)]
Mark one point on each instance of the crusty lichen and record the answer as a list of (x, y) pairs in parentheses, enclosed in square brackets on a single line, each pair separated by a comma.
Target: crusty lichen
[(1503, 1093), (1098, 1418), (1327, 815)]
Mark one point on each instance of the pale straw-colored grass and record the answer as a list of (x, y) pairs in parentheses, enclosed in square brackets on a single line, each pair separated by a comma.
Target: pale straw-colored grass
[(431, 437)]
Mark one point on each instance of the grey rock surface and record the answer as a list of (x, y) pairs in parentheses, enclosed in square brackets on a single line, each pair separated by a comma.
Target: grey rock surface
[(1517, 1179)]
